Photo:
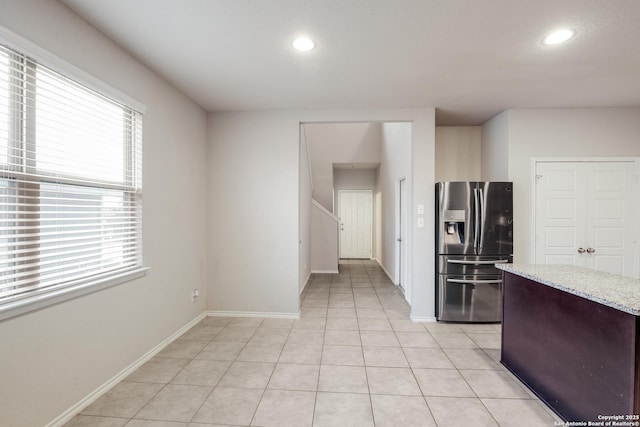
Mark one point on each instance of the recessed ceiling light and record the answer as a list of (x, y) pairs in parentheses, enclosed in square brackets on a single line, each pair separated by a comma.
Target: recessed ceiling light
[(558, 37), (303, 44)]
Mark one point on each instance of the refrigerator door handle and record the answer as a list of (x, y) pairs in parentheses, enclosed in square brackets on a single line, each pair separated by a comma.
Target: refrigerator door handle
[(465, 281), (476, 224), (482, 217), (461, 261)]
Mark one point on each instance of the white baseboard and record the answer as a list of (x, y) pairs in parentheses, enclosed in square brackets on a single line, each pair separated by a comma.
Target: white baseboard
[(430, 319), (386, 272), (325, 271), (253, 314), (306, 282), (67, 415)]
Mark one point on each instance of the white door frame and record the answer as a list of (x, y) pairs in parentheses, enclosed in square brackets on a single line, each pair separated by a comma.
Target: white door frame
[(370, 234), (402, 279), (534, 163)]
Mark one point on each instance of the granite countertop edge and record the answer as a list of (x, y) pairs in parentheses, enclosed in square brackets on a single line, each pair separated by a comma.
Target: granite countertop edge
[(618, 292)]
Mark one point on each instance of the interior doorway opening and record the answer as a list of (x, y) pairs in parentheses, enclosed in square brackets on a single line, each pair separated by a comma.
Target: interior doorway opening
[(343, 159)]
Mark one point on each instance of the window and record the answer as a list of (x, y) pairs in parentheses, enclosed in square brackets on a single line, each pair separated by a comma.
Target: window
[(70, 182)]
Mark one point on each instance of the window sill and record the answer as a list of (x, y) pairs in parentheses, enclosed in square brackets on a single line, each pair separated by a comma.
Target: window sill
[(35, 302)]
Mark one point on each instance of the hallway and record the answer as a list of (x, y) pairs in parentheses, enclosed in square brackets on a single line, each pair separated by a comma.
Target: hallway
[(353, 359)]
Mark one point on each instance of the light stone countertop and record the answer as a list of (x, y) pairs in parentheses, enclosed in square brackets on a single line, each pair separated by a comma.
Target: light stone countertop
[(612, 290)]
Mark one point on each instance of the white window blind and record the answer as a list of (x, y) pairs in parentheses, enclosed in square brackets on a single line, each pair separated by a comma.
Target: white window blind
[(70, 181)]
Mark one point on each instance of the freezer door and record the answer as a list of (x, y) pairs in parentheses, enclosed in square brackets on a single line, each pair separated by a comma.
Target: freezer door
[(495, 234), (470, 299), (455, 222)]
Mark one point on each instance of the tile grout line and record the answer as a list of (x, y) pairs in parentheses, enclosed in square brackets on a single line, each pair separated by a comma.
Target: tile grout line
[(366, 373), (176, 374), (471, 388), (424, 397), (221, 376), (264, 391), (315, 401)]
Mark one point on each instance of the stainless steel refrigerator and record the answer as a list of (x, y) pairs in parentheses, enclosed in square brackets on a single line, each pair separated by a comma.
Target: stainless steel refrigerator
[(474, 231)]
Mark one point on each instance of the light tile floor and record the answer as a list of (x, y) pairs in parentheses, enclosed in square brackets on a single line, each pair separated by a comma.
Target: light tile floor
[(353, 359)]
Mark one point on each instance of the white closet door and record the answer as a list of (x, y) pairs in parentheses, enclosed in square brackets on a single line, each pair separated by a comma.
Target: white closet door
[(610, 218), (560, 220), (585, 215)]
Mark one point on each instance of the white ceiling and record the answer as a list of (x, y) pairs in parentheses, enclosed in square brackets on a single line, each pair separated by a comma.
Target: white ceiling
[(471, 59)]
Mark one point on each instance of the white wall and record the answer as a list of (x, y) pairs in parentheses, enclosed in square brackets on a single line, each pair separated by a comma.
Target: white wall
[(495, 148), (254, 206), (324, 240), (331, 143), (593, 132), (422, 189), (458, 153), (54, 357), (395, 164), (304, 265), (353, 179)]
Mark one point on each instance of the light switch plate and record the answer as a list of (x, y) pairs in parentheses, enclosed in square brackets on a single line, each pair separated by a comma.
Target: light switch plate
[(420, 209), (420, 222)]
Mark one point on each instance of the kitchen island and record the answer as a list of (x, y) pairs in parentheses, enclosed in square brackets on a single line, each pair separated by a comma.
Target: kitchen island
[(572, 335)]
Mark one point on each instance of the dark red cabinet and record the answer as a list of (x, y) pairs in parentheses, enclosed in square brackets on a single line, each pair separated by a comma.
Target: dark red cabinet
[(579, 356)]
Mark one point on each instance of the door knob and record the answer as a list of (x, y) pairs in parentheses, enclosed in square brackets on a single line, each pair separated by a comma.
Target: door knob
[(581, 250), (590, 250)]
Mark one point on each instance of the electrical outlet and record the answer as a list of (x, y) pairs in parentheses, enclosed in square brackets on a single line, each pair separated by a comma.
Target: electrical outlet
[(194, 295)]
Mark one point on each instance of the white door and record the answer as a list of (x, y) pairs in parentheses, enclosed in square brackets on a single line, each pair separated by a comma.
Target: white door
[(402, 235), (585, 215), (559, 217), (610, 218), (355, 224)]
